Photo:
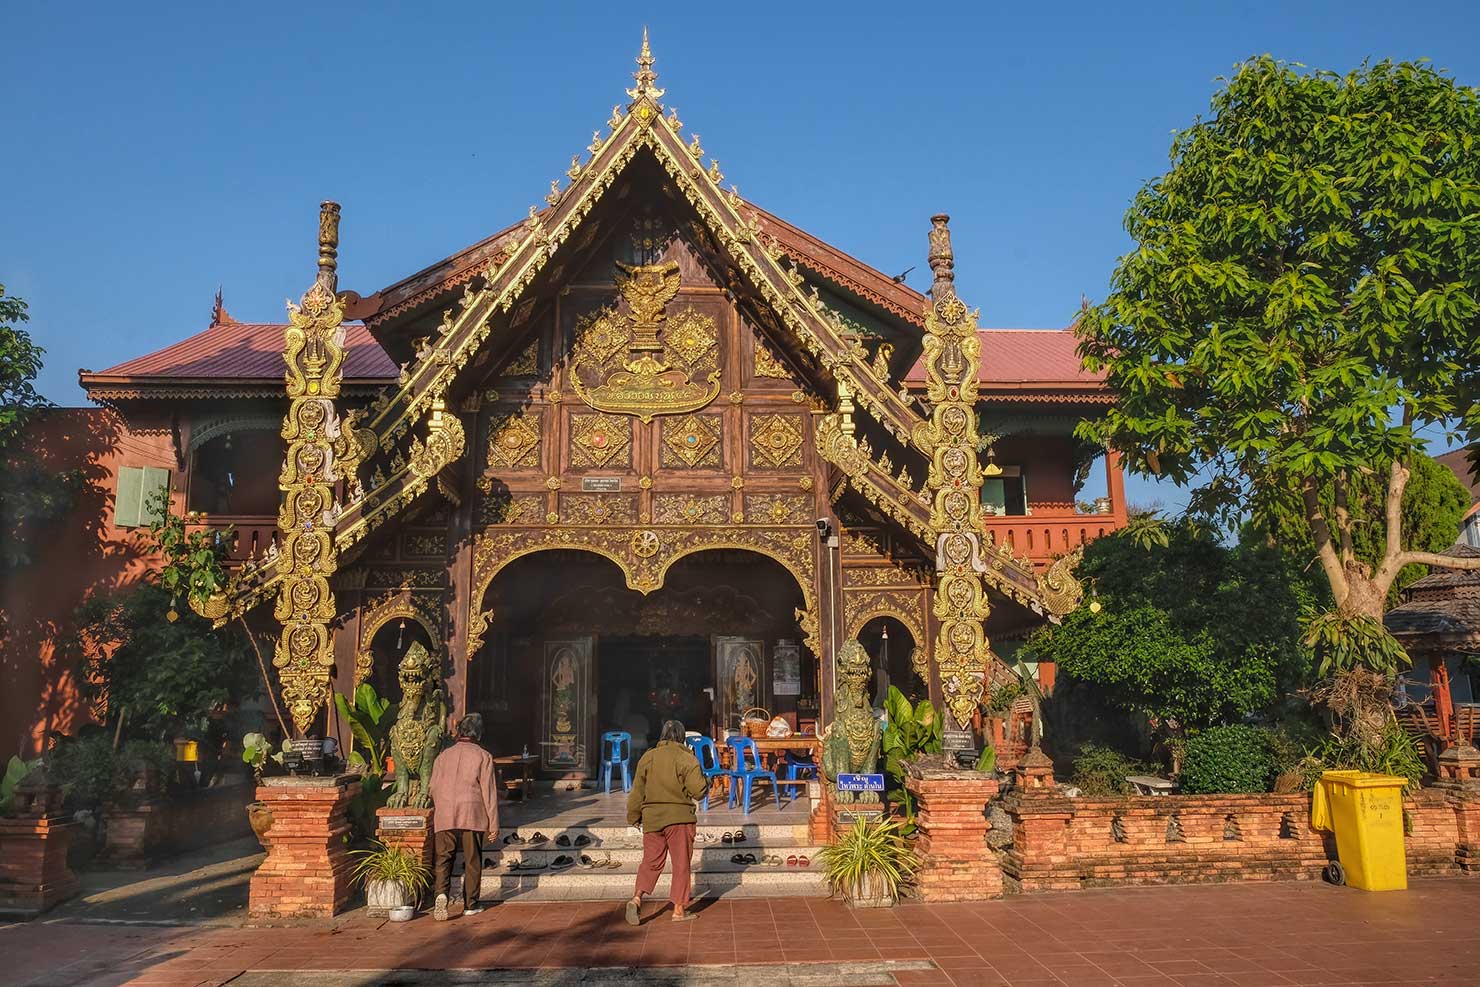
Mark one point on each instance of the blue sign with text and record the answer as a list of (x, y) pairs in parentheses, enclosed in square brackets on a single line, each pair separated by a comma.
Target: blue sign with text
[(860, 783)]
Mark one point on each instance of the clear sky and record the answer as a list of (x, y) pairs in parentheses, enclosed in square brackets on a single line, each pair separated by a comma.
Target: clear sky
[(154, 151)]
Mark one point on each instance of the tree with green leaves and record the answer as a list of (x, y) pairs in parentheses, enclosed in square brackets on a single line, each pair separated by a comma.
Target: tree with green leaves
[(1190, 633), (30, 494), (1302, 302)]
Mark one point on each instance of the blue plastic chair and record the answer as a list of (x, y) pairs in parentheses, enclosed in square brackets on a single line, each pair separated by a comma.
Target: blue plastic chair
[(748, 768), (797, 766), (708, 755), (614, 755)]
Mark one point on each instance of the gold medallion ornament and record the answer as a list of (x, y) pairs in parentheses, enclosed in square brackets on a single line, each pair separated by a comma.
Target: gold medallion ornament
[(658, 378), (775, 441), (692, 441), (952, 357), (315, 462)]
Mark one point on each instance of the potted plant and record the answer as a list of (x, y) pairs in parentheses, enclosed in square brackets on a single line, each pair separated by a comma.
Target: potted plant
[(392, 876), (870, 863), (257, 751)]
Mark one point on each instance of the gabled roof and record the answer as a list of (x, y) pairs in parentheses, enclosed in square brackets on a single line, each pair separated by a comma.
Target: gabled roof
[(245, 353)]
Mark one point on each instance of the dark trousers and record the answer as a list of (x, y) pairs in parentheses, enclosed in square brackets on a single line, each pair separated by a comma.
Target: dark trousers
[(444, 847), (675, 842)]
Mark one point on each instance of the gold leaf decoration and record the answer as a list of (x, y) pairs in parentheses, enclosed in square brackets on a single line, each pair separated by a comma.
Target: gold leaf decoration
[(692, 441), (600, 441), (776, 441), (514, 441)]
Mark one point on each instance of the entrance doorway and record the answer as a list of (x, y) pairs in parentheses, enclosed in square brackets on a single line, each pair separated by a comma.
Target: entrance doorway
[(644, 680), (573, 653)]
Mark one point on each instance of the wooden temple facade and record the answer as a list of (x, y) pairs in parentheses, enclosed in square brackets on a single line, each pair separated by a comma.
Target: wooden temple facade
[(650, 450)]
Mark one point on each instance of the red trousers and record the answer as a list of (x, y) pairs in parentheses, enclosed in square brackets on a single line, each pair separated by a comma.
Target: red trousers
[(676, 841)]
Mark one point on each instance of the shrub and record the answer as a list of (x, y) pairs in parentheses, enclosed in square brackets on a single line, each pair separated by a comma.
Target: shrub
[(1102, 771), (1396, 754), (1235, 758)]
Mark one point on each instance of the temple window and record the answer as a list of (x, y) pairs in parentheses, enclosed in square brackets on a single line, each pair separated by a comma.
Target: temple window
[(136, 485), (236, 474)]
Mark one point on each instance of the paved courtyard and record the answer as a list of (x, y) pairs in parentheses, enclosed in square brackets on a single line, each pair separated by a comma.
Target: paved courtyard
[(1253, 934)]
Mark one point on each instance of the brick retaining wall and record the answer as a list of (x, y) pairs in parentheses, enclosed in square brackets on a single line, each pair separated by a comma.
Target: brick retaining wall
[(140, 834), (1064, 843)]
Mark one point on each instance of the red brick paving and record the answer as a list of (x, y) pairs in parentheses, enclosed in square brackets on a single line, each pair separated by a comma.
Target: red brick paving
[(1252, 934)]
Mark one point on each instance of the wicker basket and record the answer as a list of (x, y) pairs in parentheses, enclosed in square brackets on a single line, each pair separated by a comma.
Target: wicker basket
[(753, 722)]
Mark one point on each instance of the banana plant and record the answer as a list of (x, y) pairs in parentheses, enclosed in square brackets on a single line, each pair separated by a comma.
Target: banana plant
[(370, 720), (911, 731)]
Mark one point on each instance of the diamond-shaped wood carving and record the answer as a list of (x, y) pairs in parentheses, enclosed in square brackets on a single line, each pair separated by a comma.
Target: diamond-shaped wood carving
[(775, 441), (514, 442), (690, 336), (692, 441), (600, 440)]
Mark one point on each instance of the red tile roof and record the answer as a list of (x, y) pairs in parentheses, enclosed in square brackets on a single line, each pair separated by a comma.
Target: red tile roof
[(1031, 359), (241, 351)]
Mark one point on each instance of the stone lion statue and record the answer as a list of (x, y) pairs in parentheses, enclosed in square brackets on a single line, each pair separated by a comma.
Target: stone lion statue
[(416, 737), (853, 738)]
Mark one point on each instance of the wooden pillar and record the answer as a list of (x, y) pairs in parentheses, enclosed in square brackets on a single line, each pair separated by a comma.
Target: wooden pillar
[(460, 604), (1443, 700), (1115, 485), (307, 870)]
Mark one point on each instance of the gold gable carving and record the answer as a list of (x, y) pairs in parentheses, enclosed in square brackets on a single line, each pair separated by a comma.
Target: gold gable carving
[(776, 441), (600, 441), (692, 441), (658, 377)]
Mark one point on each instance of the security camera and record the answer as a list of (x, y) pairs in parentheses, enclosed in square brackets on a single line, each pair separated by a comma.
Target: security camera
[(824, 527)]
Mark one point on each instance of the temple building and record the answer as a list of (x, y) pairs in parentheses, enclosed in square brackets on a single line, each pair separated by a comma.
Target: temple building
[(648, 450)]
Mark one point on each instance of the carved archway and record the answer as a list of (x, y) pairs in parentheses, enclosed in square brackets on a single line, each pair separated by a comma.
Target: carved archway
[(644, 556), (396, 604)]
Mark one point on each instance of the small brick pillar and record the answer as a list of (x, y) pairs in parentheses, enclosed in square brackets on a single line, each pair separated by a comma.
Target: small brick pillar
[(956, 864), (134, 832), (34, 875), (394, 827), (1460, 762), (307, 870), (1034, 772)]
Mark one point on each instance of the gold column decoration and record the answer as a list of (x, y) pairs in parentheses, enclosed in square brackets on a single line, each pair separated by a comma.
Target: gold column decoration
[(952, 357), (314, 354)]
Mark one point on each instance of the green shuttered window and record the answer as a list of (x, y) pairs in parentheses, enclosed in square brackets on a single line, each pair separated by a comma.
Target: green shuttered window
[(136, 484)]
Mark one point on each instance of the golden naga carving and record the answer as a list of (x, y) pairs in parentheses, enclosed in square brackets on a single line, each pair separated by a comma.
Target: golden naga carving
[(307, 556), (645, 385), (1060, 591), (952, 352)]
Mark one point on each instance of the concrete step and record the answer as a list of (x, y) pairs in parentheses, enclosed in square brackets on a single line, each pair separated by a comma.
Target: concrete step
[(628, 851), (628, 865), (617, 885)]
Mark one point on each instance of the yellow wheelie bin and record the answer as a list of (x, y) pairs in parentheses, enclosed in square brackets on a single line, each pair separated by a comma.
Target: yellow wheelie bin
[(1366, 812)]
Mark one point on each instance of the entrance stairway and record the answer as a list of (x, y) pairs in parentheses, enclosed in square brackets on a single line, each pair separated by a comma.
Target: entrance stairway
[(714, 873)]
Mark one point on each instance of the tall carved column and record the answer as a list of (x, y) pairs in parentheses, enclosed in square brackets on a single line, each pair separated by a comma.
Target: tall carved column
[(314, 353), (952, 357)]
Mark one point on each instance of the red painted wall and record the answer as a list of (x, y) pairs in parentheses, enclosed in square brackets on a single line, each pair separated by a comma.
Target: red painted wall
[(81, 554)]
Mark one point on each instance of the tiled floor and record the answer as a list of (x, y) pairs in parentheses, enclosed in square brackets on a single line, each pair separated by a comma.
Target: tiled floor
[(1256, 934)]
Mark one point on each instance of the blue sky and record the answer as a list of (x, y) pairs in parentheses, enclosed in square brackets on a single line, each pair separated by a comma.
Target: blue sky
[(155, 151)]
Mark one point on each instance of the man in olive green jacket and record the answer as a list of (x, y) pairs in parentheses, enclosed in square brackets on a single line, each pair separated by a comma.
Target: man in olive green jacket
[(668, 781)]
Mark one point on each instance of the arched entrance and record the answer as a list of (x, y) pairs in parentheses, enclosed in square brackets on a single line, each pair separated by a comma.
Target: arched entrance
[(890, 644), (571, 652)]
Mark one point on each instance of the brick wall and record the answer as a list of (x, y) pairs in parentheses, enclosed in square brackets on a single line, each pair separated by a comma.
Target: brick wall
[(1063, 843), (138, 835), (307, 870), (956, 864)]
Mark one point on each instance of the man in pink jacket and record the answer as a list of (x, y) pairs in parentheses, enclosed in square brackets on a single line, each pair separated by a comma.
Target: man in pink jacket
[(464, 808)]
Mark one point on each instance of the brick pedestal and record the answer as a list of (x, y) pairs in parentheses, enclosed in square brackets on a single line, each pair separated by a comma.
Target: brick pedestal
[(956, 864), (34, 875), (307, 870), (392, 828), (133, 833)]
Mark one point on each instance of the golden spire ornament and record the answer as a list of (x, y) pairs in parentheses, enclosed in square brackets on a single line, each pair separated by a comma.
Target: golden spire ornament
[(645, 76), (314, 354), (952, 358)]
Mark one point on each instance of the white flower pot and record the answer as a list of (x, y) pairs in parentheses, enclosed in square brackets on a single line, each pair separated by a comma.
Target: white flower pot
[(382, 896), (870, 893)]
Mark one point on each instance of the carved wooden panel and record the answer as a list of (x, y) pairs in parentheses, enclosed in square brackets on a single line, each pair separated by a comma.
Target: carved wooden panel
[(514, 441), (691, 509), (598, 508), (775, 441), (600, 441), (692, 442), (511, 508), (773, 508)]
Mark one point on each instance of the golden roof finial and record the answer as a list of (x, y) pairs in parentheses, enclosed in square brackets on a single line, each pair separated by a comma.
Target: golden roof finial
[(645, 75)]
